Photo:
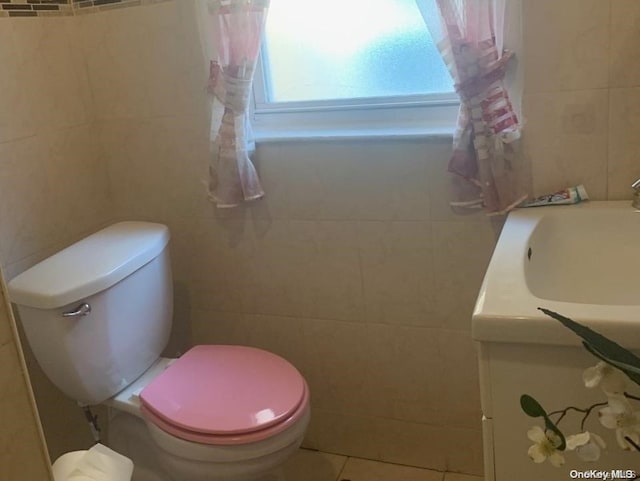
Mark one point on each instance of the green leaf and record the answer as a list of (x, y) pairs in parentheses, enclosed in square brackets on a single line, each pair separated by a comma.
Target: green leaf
[(602, 347), (531, 407), (631, 371)]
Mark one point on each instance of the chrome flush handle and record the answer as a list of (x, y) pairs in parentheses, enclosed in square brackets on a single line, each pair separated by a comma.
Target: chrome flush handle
[(82, 310)]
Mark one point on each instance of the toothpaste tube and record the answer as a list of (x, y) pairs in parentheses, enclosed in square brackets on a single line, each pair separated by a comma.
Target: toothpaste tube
[(570, 195)]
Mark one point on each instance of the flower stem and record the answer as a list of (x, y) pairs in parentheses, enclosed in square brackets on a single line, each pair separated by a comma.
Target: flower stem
[(585, 411), (631, 396), (632, 442)]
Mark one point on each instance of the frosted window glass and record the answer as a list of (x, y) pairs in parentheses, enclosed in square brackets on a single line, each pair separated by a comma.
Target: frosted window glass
[(341, 49)]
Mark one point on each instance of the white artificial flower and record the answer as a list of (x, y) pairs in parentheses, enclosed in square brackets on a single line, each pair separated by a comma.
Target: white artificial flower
[(610, 379), (619, 415), (546, 446), (587, 445)]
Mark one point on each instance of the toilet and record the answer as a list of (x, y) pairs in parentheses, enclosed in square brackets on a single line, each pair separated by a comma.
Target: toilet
[(98, 314)]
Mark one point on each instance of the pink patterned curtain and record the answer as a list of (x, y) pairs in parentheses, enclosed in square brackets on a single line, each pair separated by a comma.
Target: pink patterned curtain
[(470, 36), (235, 28)]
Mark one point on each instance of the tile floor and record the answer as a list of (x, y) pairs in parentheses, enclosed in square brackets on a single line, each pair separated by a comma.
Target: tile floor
[(309, 465)]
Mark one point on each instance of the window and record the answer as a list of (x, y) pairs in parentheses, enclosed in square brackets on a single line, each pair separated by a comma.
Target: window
[(360, 63)]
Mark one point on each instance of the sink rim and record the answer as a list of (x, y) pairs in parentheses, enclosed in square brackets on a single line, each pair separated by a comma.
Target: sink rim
[(506, 310)]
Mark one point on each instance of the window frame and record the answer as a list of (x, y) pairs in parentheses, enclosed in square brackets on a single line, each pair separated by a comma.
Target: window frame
[(415, 115)]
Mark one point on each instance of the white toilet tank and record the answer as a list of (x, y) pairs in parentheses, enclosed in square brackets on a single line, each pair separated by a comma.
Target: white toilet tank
[(123, 273)]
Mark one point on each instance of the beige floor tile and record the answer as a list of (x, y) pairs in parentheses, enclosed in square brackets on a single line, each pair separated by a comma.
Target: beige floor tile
[(461, 477), (312, 466), (365, 470)]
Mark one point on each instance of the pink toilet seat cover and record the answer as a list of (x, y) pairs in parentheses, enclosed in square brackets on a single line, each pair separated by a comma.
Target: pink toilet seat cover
[(223, 440), (224, 391)]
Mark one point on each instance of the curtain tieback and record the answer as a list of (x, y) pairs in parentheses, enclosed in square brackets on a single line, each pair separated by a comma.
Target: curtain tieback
[(233, 92)]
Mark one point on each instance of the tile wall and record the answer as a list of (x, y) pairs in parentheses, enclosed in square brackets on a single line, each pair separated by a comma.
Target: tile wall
[(353, 266), (582, 94), (53, 184)]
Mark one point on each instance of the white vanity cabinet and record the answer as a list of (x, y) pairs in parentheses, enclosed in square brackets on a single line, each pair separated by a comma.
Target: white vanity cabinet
[(580, 261), (552, 374)]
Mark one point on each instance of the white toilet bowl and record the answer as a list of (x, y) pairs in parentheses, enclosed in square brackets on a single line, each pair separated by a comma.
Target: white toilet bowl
[(161, 455)]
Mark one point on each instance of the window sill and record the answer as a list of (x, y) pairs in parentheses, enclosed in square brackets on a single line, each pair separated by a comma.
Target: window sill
[(391, 121), (264, 135)]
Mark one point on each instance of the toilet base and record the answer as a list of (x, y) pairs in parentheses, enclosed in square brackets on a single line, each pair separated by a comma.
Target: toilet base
[(129, 435)]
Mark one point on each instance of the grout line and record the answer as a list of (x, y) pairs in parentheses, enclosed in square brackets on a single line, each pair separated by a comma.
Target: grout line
[(443, 474), (346, 459), (431, 470)]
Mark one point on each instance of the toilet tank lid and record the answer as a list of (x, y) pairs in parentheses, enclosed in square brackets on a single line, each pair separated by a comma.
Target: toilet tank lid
[(89, 266)]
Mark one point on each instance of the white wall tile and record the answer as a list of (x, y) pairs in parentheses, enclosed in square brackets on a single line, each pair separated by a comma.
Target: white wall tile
[(566, 44), (624, 142), (461, 254), (397, 272), (625, 38), (566, 140), (341, 180)]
